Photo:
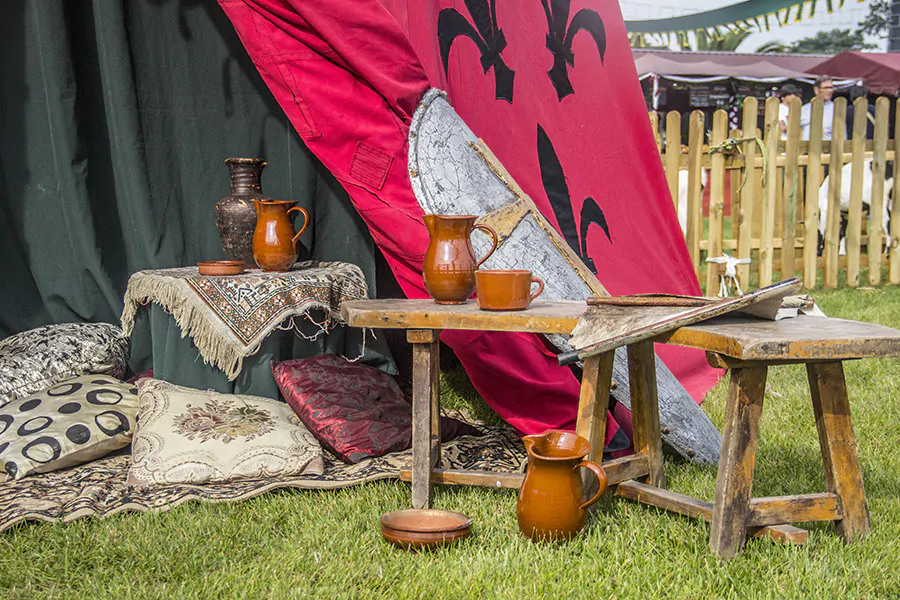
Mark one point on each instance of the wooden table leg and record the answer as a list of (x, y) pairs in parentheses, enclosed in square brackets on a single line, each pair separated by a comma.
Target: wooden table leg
[(738, 458), (592, 407), (425, 412), (645, 408), (594, 402), (838, 443)]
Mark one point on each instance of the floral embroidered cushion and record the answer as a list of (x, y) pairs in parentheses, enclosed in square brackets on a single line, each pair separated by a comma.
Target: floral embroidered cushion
[(354, 410), (73, 422), (35, 360), (193, 436)]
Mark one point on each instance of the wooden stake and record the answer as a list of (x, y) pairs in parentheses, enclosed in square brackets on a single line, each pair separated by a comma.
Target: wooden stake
[(695, 180), (832, 230), (673, 153), (748, 193), (876, 203), (792, 190), (813, 181), (767, 236), (716, 201), (854, 220)]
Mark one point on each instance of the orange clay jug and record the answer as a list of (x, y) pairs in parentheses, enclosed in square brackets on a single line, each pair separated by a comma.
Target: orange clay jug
[(449, 269), (551, 506), (274, 241)]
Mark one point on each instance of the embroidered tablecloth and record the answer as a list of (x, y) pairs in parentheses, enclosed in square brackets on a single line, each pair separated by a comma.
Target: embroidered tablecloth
[(228, 316)]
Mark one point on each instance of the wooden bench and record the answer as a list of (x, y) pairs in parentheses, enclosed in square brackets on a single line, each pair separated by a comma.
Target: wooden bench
[(747, 346)]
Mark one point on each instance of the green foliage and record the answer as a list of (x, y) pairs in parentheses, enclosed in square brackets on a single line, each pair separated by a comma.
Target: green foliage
[(325, 544), (831, 41), (703, 42), (876, 22), (775, 47), (727, 42)]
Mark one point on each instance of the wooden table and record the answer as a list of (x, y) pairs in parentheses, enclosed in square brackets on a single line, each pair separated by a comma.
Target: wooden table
[(747, 346)]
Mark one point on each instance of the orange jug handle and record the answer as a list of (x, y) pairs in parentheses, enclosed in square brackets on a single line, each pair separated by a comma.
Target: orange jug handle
[(494, 241), (296, 238), (601, 476)]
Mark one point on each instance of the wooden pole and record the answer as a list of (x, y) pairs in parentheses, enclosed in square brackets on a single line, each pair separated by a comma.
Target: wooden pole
[(791, 190), (716, 200), (876, 203), (894, 271), (833, 222), (695, 180), (748, 193), (813, 181), (854, 220), (673, 153), (767, 237), (654, 124)]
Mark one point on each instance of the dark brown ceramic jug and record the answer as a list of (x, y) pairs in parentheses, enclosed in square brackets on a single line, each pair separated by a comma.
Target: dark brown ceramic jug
[(551, 506), (274, 241), (235, 214), (449, 270)]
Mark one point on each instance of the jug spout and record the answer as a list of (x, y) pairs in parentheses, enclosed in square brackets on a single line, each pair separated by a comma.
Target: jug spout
[(529, 441), (431, 224)]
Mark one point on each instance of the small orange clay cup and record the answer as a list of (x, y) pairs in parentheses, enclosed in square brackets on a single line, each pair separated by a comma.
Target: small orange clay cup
[(505, 289)]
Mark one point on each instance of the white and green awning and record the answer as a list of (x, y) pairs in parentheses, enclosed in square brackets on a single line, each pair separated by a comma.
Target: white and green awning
[(744, 16)]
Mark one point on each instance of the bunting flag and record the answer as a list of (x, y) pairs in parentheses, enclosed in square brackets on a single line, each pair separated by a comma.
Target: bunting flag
[(744, 16)]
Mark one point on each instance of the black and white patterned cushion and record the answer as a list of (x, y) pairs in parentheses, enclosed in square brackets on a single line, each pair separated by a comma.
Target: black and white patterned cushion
[(70, 423), (34, 360)]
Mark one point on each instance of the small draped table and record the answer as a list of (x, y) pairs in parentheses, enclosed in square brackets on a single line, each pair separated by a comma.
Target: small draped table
[(235, 324)]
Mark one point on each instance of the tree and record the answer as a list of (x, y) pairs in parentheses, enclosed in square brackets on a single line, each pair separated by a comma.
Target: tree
[(728, 42), (831, 41), (775, 47), (877, 21), (703, 42)]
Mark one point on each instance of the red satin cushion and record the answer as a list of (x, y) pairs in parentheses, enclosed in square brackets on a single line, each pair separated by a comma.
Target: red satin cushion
[(355, 411)]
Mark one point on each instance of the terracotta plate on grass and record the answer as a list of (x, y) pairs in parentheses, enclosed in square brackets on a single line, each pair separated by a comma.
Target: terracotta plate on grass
[(420, 528)]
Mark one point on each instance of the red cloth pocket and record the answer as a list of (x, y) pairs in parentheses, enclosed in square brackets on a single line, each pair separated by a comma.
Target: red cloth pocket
[(355, 411)]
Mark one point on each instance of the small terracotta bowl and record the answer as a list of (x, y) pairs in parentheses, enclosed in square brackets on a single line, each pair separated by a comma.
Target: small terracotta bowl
[(221, 267), (418, 529)]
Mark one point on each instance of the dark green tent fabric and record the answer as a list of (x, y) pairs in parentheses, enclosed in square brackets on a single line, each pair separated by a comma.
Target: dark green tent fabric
[(115, 117)]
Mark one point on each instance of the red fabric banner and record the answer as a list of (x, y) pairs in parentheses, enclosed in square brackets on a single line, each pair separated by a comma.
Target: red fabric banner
[(348, 75), (551, 87)]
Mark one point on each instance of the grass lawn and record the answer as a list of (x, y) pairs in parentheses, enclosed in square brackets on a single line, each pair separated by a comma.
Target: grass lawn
[(326, 544)]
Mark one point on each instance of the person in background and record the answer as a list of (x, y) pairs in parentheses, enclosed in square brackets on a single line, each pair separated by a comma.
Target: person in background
[(785, 94), (824, 90), (860, 91)]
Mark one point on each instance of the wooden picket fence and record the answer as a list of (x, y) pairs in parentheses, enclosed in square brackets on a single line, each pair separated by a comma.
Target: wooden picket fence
[(773, 193)]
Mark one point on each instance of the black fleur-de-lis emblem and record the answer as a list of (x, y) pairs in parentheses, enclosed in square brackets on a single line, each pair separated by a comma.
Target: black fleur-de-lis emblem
[(554, 180), (560, 36), (488, 37)]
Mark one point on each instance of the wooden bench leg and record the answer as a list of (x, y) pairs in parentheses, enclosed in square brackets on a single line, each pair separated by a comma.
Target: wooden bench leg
[(738, 458), (594, 402), (425, 412), (645, 408), (838, 443), (592, 407)]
